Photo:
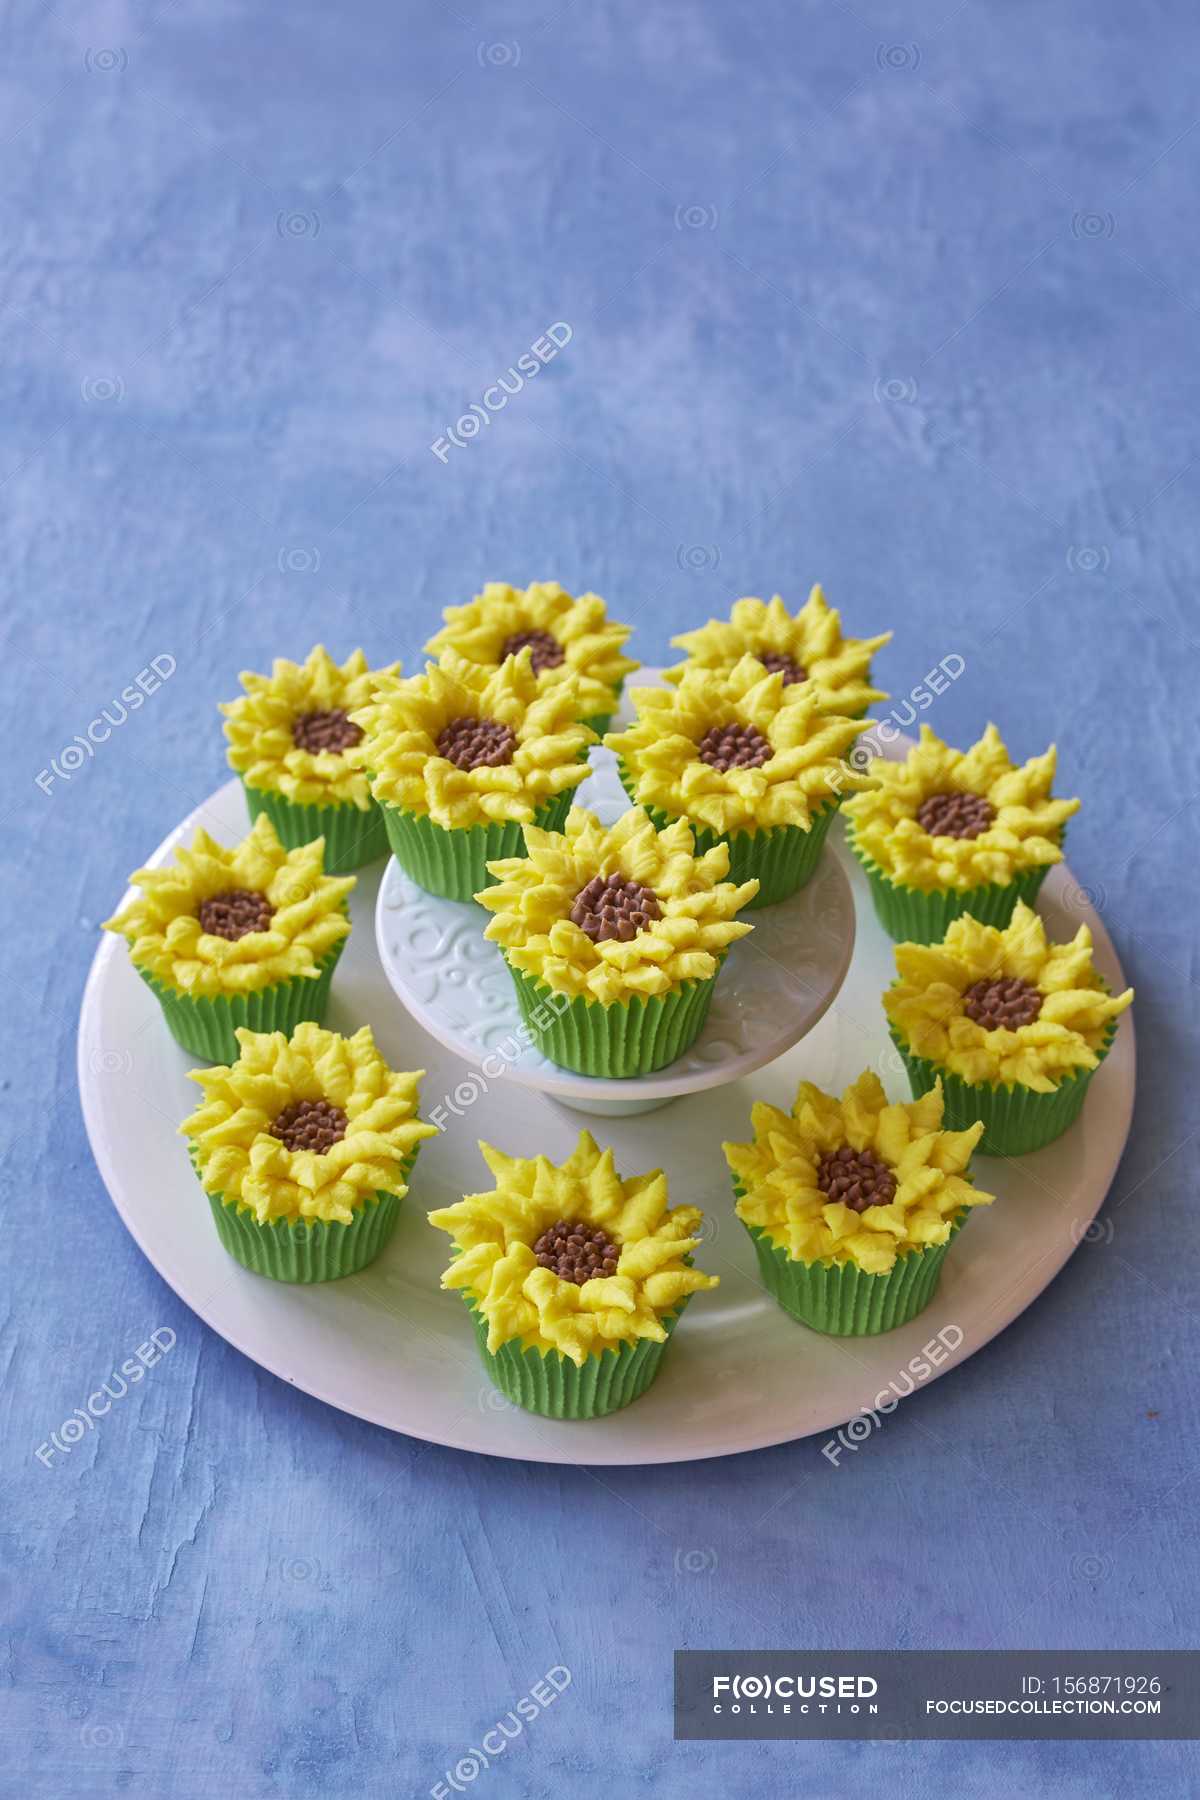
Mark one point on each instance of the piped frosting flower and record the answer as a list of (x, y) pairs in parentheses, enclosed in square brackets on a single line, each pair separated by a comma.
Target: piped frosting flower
[(610, 914), (806, 647), (466, 746), (311, 1127), (793, 1187), (517, 1286), (1004, 1006), (958, 819), (291, 732), (567, 638), (230, 921), (736, 750)]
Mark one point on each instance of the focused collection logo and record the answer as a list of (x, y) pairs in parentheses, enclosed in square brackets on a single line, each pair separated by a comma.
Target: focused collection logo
[(806, 1693)]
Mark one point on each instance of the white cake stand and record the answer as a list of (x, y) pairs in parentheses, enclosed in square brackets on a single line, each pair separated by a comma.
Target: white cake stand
[(774, 986)]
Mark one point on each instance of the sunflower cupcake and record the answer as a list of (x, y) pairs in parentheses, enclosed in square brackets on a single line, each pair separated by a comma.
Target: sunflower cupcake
[(748, 762), (949, 831), (852, 1203), (621, 931), (247, 936), (807, 648), (292, 741), (304, 1146), (1014, 1027), (575, 1278), (461, 759), (566, 638)]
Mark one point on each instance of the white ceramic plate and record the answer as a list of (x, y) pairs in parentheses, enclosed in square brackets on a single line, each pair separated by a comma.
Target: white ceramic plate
[(773, 988), (391, 1347)]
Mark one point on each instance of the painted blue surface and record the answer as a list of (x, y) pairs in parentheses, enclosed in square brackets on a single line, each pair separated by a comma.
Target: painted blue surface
[(900, 297)]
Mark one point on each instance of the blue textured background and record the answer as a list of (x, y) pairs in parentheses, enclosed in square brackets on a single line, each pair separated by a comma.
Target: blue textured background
[(901, 297)]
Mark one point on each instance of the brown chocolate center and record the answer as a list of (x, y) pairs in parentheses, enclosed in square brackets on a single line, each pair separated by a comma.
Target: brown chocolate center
[(310, 1125), (955, 815), (780, 663), (576, 1252), (1003, 1004), (234, 913), (734, 747), (547, 652), (858, 1178), (476, 743), (614, 908), (333, 731)]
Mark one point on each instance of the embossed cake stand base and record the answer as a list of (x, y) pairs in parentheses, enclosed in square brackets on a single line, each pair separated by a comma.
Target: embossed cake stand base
[(775, 984)]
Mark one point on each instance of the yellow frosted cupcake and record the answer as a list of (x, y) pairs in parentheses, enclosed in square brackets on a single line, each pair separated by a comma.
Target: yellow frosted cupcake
[(1013, 1027), (852, 1203), (575, 1277), (950, 831), (567, 639), (748, 762), (298, 752), (460, 759), (621, 931), (807, 648), (304, 1146), (243, 936)]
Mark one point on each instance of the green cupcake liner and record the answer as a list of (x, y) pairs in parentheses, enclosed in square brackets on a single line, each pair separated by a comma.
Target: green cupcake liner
[(309, 1250), (618, 1041), (843, 1300), (911, 916), (1016, 1120), (352, 837), (554, 1387), (453, 863), (782, 857), (205, 1027)]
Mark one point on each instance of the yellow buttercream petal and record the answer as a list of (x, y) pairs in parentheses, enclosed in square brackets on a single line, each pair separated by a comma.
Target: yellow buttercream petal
[(590, 642), (496, 1269), (166, 939), (776, 1173), (405, 718), (807, 769), (532, 898), (259, 728), (238, 1157), (926, 1007), (1025, 831), (837, 669)]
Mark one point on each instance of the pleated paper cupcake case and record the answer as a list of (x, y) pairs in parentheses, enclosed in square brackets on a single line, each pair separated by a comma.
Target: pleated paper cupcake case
[(555, 1388), (1016, 1120), (783, 858), (913, 916), (309, 1250), (204, 1026), (843, 1300), (353, 837), (617, 1042), (453, 863)]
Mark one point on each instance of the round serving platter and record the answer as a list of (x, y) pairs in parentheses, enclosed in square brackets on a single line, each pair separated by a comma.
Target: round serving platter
[(389, 1346)]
